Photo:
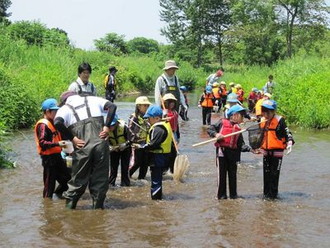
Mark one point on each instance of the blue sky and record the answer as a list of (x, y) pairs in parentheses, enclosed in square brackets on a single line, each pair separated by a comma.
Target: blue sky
[(86, 20)]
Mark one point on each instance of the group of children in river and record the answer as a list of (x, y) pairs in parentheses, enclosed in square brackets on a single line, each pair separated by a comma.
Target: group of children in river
[(148, 140)]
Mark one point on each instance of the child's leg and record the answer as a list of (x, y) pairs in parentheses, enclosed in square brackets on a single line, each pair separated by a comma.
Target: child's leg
[(232, 177), (222, 171), (114, 163), (156, 169), (144, 165), (204, 113), (272, 167), (124, 163), (208, 115), (49, 176)]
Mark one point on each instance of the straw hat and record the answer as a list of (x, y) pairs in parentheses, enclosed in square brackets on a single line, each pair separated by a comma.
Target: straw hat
[(170, 64), (142, 100), (169, 96)]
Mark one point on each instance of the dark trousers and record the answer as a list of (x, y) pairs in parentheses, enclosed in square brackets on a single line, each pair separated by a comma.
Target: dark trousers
[(206, 114), (272, 168), (158, 162), (227, 166), (141, 162), (123, 157), (171, 159), (54, 170)]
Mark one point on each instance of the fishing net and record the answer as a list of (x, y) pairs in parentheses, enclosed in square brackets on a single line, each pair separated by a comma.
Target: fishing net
[(256, 135), (181, 165)]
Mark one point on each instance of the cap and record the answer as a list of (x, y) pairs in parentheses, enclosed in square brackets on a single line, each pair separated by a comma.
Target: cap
[(169, 96), (64, 96), (114, 121), (170, 64), (113, 68), (208, 89), (269, 104), (49, 103), (153, 111), (254, 89), (235, 109), (232, 97), (184, 88), (142, 100)]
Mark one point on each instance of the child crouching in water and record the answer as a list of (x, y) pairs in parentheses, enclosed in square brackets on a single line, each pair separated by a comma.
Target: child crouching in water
[(49, 144), (228, 150)]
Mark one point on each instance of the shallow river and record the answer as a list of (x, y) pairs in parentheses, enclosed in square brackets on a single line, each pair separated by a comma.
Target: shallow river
[(189, 215)]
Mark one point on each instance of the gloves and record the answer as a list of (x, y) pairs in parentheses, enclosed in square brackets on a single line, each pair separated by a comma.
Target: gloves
[(165, 112), (122, 147), (289, 148), (199, 105), (139, 146), (113, 148), (216, 102)]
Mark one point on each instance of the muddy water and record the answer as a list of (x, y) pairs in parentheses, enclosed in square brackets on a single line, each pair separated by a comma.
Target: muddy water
[(189, 215)]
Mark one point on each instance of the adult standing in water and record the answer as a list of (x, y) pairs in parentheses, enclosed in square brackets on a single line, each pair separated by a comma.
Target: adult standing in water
[(168, 82), (81, 120), (82, 86), (110, 84)]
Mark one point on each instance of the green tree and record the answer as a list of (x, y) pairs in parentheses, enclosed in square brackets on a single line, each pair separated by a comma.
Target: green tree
[(296, 13), (112, 43), (4, 5), (142, 45)]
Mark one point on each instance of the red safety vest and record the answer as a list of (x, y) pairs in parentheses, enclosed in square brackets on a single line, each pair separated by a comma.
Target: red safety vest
[(227, 128), (56, 138), (270, 140)]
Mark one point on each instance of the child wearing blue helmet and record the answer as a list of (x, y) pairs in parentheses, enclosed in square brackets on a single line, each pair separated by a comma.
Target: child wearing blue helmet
[(159, 143), (277, 138), (228, 150), (207, 101)]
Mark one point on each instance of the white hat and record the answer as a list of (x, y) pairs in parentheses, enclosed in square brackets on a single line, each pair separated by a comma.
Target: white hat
[(142, 100), (170, 64), (169, 96)]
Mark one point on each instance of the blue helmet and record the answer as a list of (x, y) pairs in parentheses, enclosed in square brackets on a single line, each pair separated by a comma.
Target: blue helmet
[(269, 104), (50, 103), (208, 89), (183, 88), (234, 109), (153, 111)]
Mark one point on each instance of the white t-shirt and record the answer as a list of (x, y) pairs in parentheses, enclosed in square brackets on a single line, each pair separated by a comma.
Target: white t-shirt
[(96, 105)]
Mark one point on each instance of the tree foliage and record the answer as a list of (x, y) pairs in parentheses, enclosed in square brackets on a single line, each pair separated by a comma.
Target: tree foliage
[(142, 45), (4, 5), (112, 43)]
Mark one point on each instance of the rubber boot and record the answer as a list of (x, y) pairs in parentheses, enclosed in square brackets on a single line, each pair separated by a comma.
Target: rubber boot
[(71, 204)]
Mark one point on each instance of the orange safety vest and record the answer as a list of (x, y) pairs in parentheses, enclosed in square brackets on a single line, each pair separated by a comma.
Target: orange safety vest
[(223, 92), (207, 102), (56, 138), (227, 128), (216, 92), (271, 141)]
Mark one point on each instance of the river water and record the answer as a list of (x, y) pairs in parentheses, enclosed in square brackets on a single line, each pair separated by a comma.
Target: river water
[(189, 215)]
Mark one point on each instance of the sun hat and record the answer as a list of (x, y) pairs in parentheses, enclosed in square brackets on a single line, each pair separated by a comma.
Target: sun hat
[(142, 100), (114, 121), (269, 104), (235, 109), (153, 111), (208, 89), (268, 95), (254, 89), (232, 97), (49, 103), (216, 84), (223, 82), (232, 84), (238, 86), (169, 96), (170, 64)]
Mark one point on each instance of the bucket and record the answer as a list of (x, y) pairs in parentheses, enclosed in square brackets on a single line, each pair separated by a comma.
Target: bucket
[(68, 147)]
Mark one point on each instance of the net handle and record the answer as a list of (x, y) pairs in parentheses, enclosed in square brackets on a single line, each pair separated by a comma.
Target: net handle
[(227, 135)]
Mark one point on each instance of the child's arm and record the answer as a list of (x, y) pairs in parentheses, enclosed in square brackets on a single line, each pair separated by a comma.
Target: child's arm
[(45, 137)]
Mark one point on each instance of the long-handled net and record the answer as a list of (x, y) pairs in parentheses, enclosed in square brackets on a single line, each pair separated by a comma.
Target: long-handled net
[(255, 136)]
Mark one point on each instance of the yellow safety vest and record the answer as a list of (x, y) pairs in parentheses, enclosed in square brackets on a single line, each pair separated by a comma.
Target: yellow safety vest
[(119, 138), (165, 147)]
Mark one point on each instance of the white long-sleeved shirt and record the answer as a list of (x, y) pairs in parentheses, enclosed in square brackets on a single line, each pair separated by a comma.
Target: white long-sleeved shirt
[(84, 87)]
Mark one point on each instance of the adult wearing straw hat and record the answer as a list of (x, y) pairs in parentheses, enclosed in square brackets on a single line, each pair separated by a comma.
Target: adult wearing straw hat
[(168, 82)]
